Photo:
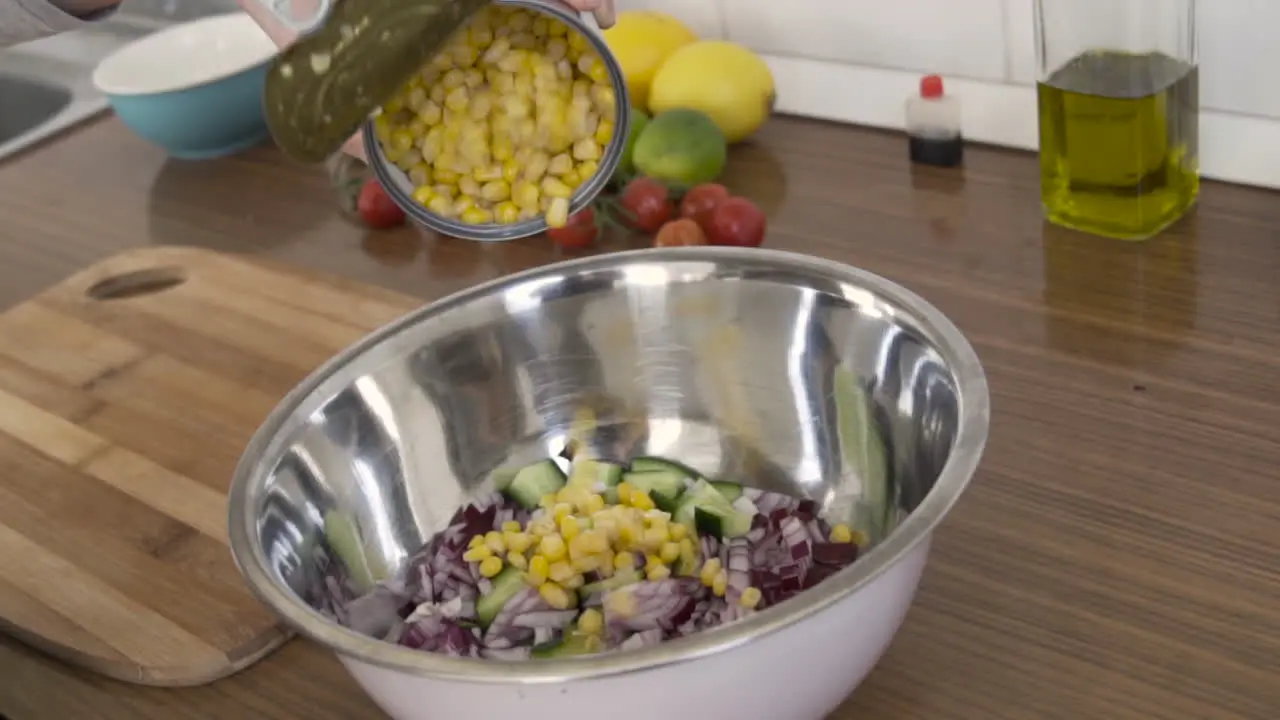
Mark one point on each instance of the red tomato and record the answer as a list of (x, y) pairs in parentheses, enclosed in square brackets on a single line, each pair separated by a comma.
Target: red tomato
[(647, 203), (701, 200), (376, 208), (680, 233), (579, 233), (736, 221)]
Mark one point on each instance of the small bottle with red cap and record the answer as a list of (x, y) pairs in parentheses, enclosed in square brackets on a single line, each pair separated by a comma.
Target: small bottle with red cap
[(933, 125)]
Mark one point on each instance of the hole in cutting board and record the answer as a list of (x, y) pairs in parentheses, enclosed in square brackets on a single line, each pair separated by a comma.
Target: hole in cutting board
[(139, 282)]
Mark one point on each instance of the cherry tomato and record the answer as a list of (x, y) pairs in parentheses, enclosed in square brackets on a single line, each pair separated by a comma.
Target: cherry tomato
[(680, 233), (701, 200), (736, 221), (376, 208), (579, 233), (647, 203)]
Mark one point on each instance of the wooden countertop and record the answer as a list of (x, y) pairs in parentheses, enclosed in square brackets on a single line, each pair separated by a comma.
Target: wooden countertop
[(1118, 555)]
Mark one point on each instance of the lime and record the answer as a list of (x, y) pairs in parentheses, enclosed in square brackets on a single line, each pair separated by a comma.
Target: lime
[(627, 165), (681, 147)]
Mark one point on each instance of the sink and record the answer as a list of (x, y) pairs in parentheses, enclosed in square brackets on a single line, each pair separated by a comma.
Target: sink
[(46, 86), (28, 104)]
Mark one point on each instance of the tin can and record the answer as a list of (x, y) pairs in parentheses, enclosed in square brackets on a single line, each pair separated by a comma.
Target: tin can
[(400, 189)]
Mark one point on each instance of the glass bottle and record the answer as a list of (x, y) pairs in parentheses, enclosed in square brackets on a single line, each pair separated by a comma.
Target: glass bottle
[(1119, 105)]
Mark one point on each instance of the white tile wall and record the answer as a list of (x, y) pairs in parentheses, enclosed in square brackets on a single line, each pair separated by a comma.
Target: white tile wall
[(870, 51)]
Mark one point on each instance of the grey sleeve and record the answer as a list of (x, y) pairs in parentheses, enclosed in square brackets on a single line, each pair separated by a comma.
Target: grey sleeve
[(23, 20)]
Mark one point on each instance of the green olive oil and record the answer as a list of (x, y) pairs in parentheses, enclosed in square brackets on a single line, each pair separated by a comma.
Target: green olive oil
[(1119, 151)]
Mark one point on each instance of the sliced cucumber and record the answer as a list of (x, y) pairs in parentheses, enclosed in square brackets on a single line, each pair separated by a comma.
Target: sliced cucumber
[(506, 585), (727, 521), (664, 487), (655, 464), (719, 522), (569, 644), (534, 481), (730, 491), (621, 578), (344, 540), (588, 474)]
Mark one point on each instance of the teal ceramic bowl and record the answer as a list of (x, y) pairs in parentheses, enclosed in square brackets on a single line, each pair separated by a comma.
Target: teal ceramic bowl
[(194, 89)]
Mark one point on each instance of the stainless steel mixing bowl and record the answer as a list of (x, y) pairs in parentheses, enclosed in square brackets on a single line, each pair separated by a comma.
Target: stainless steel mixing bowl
[(779, 370)]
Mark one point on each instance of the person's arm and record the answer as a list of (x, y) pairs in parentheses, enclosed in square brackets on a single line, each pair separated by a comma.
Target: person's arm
[(23, 20)]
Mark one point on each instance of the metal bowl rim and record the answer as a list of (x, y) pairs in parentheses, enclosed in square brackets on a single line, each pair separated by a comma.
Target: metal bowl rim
[(970, 440)]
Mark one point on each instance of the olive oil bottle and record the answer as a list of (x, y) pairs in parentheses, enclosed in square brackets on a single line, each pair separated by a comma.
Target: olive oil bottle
[(1119, 106)]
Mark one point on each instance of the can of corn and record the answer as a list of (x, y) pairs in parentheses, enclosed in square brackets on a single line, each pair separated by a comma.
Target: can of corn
[(518, 121)]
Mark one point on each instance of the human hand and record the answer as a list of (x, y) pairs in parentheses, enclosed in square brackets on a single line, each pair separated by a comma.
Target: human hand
[(602, 9)]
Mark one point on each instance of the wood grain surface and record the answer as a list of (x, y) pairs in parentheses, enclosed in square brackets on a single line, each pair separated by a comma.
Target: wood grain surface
[(127, 393), (1116, 557)]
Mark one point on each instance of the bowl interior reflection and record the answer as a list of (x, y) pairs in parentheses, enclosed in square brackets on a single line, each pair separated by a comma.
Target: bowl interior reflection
[(765, 376)]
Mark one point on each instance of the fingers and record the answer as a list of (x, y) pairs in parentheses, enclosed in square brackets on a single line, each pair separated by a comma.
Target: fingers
[(355, 147), (602, 10)]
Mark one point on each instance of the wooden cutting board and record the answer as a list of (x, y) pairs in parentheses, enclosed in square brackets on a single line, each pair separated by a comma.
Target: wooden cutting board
[(127, 393)]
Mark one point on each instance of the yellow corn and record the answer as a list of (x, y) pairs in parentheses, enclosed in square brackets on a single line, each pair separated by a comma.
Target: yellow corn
[(575, 582), (538, 570), (678, 532), (506, 213), (476, 216), (720, 583), (560, 164), (586, 149), (620, 602), (710, 569), (670, 552), (560, 571), (495, 191), (624, 491), (440, 205), (593, 542), (841, 534), (651, 562), (562, 510), (552, 547), (542, 527), (642, 501), (656, 573), (591, 621), (494, 541), (860, 538), (476, 541), (490, 566), (488, 173), (555, 596), (554, 187), (558, 213), (750, 597), (595, 503), (688, 551), (624, 561), (517, 561), (569, 527), (547, 502), (585, 563), (477, 554), (511, 526), (462, 205)]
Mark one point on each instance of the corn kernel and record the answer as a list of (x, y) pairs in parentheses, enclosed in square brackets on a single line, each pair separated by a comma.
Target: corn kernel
[(575, 582), (490, 566), (440, 205), (670, 552), (506, 212), (552, 547), (586, 149), (720, 584), (494, 541), (841, 534), (560, 164), (572, 178), (604, 132), (422, 194), (585, 563), (555, 188), (595, 503), (659, 572), (517, 561), (620, 602), (860, 538), (710, 569), (512, 526), (475, 541), (556, 596), (624, 561), (462, 205), (628, 535), (558, 213), (642, 501), (569, 527), (538, 571), (488, 173), (593, 542), (547, 502), (688, 551), (750, 597), (477, 554), (560, 571), (517, 542), (591, 621), (562, 510), (652, 561), (542, 527), (678, 531), (587, 169), (624, 490), (476, 216)]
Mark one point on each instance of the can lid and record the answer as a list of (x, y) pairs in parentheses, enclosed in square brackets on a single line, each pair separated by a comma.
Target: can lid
[(931, 87)]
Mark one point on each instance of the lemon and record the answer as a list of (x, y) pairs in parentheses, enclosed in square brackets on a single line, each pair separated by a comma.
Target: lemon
[(726, 81), (641, 40)]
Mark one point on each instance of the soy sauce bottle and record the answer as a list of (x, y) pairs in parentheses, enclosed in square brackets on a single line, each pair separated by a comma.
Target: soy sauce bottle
[(933, 126)]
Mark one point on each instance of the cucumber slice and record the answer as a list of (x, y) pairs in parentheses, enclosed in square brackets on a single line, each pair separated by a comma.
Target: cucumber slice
[(721, 523), (664, 487), (534, 481), (569, 644), (344, 540), (702, 493), (655, 464), (506, 585), (730, 491), (620, 579)]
